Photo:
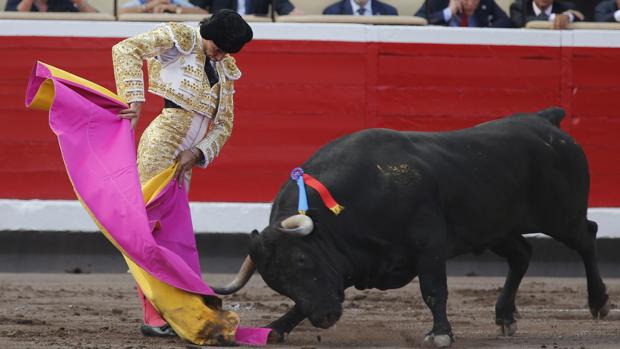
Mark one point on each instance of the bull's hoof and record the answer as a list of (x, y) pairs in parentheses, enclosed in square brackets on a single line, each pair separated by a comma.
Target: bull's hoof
[(437, 341), (602, 311), (275, 337), (507, 330)]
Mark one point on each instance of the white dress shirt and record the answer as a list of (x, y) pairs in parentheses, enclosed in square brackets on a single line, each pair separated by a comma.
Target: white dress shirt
[(356, 7), (241, 7), (538, 11)]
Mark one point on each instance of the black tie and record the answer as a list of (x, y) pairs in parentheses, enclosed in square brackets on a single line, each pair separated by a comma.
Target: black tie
[(211, 75), (361, 11)]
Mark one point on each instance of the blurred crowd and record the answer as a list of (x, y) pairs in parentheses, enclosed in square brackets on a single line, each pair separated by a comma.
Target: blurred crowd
[(454, 13)]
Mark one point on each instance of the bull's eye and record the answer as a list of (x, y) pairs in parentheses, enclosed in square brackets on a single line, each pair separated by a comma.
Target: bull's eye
[(301, 259)]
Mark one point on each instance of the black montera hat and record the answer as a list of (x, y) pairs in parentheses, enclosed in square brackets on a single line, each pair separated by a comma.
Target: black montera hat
[(228, 30)]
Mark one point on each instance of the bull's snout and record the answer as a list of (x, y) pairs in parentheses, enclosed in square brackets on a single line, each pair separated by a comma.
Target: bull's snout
[(327, 319)]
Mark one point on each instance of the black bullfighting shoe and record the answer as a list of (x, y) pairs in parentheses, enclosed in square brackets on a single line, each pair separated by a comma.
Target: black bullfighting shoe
[(154, 331)]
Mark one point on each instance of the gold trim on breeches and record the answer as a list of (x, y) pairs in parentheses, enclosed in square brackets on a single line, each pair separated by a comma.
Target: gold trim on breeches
[(171, 132)]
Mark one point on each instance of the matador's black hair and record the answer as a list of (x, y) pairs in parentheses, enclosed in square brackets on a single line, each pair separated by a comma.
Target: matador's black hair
[(227, 29)]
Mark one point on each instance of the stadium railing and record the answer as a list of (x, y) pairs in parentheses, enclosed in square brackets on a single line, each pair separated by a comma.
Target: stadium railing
[(576, 25), (395, 20), (173, 17)]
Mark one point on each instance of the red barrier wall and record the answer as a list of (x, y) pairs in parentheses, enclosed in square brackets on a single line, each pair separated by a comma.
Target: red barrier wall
[(297, 95)]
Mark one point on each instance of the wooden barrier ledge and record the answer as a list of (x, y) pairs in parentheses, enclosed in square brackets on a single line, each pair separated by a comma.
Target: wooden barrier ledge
[(173, 17), (385, 20), (575, 25)]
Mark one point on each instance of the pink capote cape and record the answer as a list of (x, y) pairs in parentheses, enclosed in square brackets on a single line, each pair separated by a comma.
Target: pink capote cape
[(99, 154)]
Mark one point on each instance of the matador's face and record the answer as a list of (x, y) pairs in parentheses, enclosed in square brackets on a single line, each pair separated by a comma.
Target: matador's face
[(212, 51)]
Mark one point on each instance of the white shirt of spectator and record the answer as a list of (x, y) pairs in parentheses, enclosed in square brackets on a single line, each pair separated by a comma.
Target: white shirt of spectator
[(356, 7), (617, 15), (538, 11), (447, 14), (241, 7)]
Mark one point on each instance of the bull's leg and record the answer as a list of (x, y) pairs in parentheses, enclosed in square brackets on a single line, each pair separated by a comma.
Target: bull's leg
[(431, 266), (285, 324), (584, 242), (517, 252)]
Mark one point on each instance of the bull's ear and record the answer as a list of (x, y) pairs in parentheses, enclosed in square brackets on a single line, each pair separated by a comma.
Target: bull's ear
[(254, 234), (257, 249)]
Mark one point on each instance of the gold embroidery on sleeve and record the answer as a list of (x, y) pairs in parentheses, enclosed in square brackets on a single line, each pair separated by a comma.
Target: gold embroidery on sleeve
[(127, 57)]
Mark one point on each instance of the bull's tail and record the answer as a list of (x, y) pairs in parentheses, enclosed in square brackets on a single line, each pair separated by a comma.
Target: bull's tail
[(554, 115)]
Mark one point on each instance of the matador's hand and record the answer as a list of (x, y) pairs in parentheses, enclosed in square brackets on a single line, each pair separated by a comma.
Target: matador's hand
[(561, 21), (133, 113), (185, 161)]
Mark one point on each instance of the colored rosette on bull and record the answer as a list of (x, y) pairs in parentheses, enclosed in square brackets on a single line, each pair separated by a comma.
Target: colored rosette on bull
[(298, 176), (302, 178)]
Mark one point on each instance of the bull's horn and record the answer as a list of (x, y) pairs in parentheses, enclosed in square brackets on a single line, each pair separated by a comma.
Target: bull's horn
[(298, 225), (242, 278)]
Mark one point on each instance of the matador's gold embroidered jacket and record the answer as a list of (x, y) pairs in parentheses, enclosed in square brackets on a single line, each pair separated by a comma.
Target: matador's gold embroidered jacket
[(176, 62)]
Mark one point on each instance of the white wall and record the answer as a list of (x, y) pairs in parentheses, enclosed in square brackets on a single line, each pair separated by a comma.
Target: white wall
[(208, 217)]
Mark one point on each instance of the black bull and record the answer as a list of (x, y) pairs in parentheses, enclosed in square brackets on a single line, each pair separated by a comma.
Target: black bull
[(414, 199)]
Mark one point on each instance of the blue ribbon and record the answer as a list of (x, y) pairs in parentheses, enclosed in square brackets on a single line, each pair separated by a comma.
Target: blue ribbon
[(298, 176)]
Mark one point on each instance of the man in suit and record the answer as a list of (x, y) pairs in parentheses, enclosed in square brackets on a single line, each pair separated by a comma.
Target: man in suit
[(360, 8), (465, 13), (159, 6), (560, 13), (608, 11), (586, 7), (247, 7)]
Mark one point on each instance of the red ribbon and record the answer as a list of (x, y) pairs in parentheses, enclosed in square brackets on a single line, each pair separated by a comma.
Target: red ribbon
[(327, 198)]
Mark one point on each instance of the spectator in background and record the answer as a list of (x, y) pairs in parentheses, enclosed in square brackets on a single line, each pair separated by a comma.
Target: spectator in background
[(159, 6), (465, 13), (608, 11), (249, 7), (560, 13), (586, 7), (360, 8), (49, 6)]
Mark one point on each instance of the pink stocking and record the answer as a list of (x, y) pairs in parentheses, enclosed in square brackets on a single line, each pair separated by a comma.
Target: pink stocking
[(151, 316)]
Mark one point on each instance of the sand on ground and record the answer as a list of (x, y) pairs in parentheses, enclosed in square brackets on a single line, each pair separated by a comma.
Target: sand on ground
[(102, 311)]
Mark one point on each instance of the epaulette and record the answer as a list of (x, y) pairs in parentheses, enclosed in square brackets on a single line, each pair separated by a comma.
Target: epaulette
[(184, 36), (230, 68)]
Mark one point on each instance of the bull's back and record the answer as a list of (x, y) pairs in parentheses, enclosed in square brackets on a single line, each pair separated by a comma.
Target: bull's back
[(519, 173), (516, 175), (503, 152)]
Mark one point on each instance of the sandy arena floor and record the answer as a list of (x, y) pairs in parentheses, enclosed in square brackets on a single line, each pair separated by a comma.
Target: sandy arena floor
[(102, 311)]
